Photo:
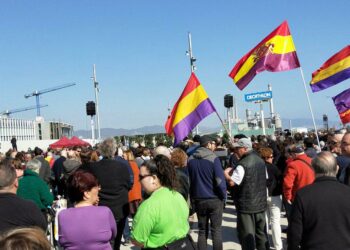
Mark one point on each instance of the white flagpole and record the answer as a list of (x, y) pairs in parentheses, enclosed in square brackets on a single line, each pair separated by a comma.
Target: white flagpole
[(227, 131), (308, 100)]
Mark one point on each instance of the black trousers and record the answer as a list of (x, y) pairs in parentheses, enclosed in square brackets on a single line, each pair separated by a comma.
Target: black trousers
[(251, 229), (209, 213), (118, 238)]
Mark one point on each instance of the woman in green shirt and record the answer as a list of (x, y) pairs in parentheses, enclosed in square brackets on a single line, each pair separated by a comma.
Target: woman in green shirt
[(161, 220)]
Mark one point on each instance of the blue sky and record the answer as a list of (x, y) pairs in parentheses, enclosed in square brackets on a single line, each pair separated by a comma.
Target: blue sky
[(139, 51)]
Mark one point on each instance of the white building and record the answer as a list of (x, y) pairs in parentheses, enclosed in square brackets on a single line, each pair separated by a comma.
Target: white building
[(31, 133), (26, 130)]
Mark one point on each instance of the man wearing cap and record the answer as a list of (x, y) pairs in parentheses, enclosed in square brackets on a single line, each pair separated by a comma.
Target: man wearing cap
[(298, 174), (249, 177), (208, 191)]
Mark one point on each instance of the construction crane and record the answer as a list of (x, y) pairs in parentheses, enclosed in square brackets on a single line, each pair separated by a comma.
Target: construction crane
[(6, 113), (37, 94)]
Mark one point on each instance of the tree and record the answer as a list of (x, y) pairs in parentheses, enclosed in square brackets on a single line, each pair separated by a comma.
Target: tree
[(149, 140), (117, 139), (169, 141)]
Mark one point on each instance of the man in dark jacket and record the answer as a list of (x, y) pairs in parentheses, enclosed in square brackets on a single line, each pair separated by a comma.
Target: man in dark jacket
[(15, 211), (14, 143), (114, 179), (57, 174), (45, 170), (251, 196), (320, 216), (208, 191)]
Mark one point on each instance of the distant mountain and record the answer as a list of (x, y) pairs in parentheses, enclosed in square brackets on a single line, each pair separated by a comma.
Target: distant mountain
[(107, 132), (307, 123)]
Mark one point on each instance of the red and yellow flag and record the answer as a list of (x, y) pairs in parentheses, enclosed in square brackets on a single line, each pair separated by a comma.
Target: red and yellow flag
[(275, 53)]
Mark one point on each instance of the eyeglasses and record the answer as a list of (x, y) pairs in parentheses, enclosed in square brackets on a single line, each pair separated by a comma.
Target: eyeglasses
[(141, 177), (269, 157), (334, 142)]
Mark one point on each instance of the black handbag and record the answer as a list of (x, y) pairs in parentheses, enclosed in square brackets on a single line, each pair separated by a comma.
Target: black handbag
[(184, 244), (181, 244)]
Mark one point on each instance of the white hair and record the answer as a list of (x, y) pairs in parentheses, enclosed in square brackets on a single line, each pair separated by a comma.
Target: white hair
[(108, 148), (34, 165), (162, 150)]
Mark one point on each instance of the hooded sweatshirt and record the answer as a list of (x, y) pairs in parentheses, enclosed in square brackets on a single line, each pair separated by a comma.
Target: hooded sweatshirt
[(69, 167), (207, 179)]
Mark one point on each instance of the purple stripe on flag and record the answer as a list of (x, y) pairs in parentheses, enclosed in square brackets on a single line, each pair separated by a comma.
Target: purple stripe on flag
[(342, 101), (331, 81), (272, 63), (184, 127)]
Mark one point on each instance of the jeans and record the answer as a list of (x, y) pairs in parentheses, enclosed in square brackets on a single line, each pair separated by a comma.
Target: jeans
[(126, 232), (209, 213), (251, 230), (274, 204)]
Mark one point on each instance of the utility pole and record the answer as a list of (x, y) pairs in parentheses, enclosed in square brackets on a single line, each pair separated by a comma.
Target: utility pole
[(192, 60), (97, 90), (189, 53)]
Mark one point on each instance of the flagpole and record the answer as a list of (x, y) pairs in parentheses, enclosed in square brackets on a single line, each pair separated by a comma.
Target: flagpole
[(308, 100), (192, 60), (223, 124)]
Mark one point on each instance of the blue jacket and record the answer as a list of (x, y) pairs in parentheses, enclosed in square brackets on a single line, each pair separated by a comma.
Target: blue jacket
[(207, 178)]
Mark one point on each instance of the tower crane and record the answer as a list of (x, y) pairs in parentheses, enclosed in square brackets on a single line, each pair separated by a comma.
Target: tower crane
[(6, 113), (37, 94)]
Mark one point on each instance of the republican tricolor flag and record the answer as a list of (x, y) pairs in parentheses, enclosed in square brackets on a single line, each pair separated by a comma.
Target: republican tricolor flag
[(335, 70), (342, 103), (192, 107), (275, 53)]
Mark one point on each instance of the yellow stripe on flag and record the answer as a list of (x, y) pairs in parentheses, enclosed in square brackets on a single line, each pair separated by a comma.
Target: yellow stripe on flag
[(189, 103), (346, 113), (282, 45), (331, 70)]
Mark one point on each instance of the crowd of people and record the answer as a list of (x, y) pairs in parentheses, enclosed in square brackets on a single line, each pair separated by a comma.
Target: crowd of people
[(160, 188)]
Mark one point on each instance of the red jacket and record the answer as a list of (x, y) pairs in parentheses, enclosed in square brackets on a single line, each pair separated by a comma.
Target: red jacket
[(297, 175)]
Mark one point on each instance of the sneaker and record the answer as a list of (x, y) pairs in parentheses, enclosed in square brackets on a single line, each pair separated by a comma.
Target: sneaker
[(126, 242)]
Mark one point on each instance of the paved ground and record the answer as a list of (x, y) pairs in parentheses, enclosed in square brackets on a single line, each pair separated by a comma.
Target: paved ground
[(228, 228)]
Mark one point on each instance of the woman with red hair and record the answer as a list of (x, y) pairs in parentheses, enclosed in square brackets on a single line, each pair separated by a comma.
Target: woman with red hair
[(86, 225)]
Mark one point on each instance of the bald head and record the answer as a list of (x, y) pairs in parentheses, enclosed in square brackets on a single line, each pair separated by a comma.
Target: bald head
[(325, 164)]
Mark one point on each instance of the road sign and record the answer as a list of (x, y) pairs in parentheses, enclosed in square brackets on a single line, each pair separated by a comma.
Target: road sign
[(258, 96)]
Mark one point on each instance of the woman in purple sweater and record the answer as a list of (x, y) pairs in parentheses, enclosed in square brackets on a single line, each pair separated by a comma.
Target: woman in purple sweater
[(86, 225)]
